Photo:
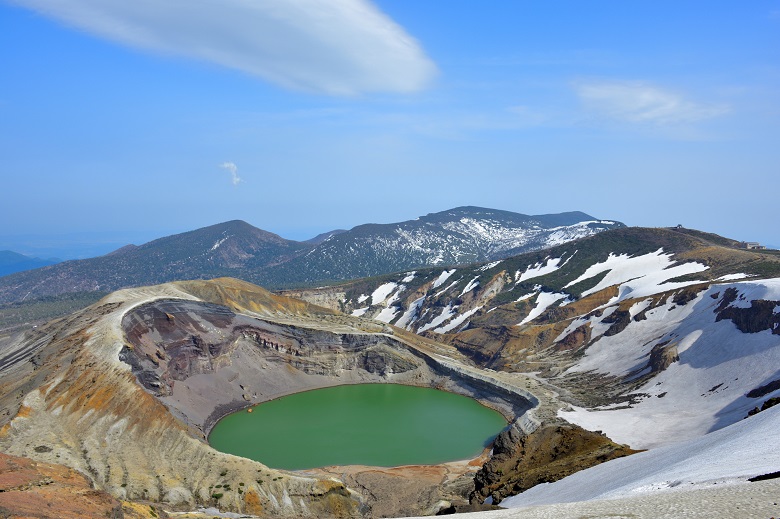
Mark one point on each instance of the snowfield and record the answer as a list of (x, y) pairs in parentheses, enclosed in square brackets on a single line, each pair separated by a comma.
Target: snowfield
[(702, 392), (639, 276), (745, 449)]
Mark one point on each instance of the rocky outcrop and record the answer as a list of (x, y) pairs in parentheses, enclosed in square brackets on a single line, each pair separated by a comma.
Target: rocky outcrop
[(761, 315), (619, 320), (553, 451), (662, 356), (577, 338)]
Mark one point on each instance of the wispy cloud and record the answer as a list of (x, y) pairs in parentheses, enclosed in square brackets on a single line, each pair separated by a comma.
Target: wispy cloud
[(341, 47), (233, 169), (640, 102)]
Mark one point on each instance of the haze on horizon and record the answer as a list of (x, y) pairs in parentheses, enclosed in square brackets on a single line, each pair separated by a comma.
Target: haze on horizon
[(135, 121)]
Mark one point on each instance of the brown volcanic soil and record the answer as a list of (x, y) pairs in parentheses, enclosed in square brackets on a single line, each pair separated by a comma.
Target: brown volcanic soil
[(44, 490)]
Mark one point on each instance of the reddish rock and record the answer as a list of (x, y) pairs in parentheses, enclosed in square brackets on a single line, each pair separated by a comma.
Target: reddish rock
[(42, 490)]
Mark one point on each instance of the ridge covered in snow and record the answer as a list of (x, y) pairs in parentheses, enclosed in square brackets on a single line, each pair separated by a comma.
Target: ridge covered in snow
[(459, 236)]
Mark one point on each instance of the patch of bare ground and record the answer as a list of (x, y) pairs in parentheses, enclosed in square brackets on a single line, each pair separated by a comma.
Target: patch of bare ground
[(45, 490)]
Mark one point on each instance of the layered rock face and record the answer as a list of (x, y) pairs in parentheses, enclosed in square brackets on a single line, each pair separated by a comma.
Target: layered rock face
[(204, 360)]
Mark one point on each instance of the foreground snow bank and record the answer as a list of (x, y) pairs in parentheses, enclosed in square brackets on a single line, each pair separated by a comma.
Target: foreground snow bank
[(733, 454)]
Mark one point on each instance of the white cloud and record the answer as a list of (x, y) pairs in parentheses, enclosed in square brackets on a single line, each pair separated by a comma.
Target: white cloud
[(639, 102), (341, 47), (233, 169)]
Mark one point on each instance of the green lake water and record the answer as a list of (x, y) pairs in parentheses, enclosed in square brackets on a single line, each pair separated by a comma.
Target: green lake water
[(383, 425)]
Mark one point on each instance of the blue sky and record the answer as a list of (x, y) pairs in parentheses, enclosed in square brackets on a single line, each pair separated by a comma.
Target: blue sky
[(126, 121)]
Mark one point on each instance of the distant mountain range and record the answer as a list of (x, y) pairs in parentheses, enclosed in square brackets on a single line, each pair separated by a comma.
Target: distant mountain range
[(237, 249), (11, 262)]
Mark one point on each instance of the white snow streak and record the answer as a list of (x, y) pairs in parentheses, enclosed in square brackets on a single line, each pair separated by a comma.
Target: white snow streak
[(474, 283), (444, 276), (538, 269), (457, 321), (489, 266), (410, 316), (543, 301), (446, 313), (219, 242), (382, 291), (387, 314)]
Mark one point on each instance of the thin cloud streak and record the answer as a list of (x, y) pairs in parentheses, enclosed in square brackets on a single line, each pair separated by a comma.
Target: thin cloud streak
[(338, 47), (233, 169), (640, 102)]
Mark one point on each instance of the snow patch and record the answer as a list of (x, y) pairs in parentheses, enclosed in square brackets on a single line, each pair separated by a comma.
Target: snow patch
[(381, 292), (219, 242), (543, 301), (705, 390), (457, 321), (447, 313), (444, 276), (740, 451), (538, 269), (409, 277), (410, 316), (489, 266), (474, 283), (639, 276), (359, 312), (526, 296), (446, 289), (732, 277), (387, 314)]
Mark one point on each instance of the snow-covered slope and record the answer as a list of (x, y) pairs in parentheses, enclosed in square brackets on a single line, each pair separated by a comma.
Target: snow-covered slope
[(706, 388), (743, 450), (454, 237)]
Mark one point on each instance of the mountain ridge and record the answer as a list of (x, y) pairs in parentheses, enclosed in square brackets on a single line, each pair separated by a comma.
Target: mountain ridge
[(12, 262), (238, 249)]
